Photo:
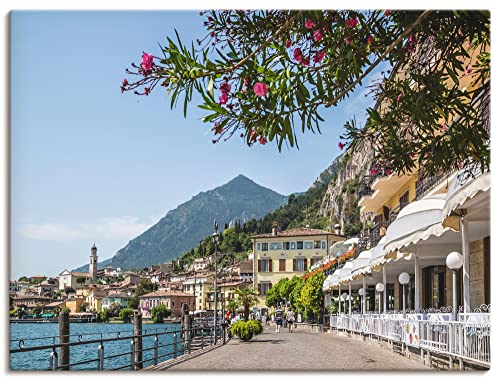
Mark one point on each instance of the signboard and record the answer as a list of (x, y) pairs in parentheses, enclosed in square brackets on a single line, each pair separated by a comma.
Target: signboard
[(411, 333)]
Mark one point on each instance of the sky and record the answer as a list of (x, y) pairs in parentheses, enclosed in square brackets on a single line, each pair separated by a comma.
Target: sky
[(92, 165)]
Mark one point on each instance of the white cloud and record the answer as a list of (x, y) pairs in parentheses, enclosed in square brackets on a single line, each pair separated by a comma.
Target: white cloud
[(110, 228)]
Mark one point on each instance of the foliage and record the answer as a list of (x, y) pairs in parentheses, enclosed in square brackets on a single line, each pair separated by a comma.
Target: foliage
[(114, 309), (133, 303), (247, 297), (37, 310), (232, 305), (65, 310), (266, 73), (246, 329), (145, 286), (68, 290), (23, 278), (273, 296), (81, 280), (103, 316), (159, 312), (84, 306), (333, 308), (311, 295), (126, 314)]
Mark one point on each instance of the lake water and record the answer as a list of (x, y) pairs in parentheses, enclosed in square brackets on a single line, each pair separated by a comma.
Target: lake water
[(39, 360)]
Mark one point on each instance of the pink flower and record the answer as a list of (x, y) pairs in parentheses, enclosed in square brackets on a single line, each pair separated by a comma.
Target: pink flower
[(388, 171), (262, 140), (347, 41), (306, 62), (288, 43), (125, 82), (373, 171), (217, 128), (245, 82), (443, 126), (260, 89), (252, 134), (309, 24), (297, 55), (320, 55), (318, 36), (469, 70), (225, 88), (412, 39), (341, 146), (352, 22), (399, 97), (223, 98), (210, 19), (412, 155), (370, 39), (387, 12), (147, 61)]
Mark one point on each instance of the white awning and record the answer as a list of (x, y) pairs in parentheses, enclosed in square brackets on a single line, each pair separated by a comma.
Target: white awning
[(417, 221), (326, 283), (341, 274), (361, 264), (468, 192)]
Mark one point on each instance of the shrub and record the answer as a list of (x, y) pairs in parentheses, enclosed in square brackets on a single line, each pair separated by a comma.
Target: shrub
[(246, 329), (126, 314), (158, 313)]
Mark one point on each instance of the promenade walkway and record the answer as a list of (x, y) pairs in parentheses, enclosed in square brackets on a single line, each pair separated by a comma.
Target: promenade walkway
[(298, 351)]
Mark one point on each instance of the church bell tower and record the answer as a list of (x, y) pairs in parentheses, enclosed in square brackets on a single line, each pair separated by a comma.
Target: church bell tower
[(93, 264)]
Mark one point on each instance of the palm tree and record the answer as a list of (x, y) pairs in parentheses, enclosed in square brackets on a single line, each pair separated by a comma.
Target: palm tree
[(247, 297)]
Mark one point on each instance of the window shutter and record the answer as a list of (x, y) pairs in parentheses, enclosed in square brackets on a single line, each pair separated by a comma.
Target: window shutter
[(305, 264), (270, 265), (294, 264), (259, 267), (282, 265), (259, 288)]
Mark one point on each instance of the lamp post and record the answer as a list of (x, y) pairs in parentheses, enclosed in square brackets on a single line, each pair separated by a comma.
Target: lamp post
[(404, 279), (361, 293), (380, 288), (454, 261), (344, 298), (215, 238)]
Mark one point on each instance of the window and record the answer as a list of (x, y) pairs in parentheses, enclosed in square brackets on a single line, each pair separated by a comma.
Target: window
[(323, 244), (434, 284), (292, 245), (265, 265), (258, 247), (308, 245), (275, 246), (300, 245), (282, 265), (404, 199), (317, 244), (264, 246), (315, 259), (299, 264), (287, 245), (263, 287)]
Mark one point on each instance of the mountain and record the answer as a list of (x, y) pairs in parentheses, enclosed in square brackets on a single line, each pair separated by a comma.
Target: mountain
[(182, 228)]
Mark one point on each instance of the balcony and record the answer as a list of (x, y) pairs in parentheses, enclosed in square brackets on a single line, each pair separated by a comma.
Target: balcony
[(370, 237), (426, 183)]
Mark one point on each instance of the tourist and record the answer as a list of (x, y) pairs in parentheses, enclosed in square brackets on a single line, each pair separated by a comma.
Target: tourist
[(290, 317), (279, 319)]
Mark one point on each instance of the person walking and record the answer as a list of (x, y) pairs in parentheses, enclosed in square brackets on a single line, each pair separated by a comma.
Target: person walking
[(290, 317), (279, 319)]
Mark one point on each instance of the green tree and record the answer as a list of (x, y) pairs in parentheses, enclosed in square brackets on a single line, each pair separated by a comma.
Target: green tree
[(81, 280), (311, 295), (263, 74), (23, 278), (159, 313), (294, 296), (103, 316), (37, 310), (126, 314), (247, 297), (65, 310), (133, 303), (232, 305), (144, 286), (273, 296), (83, 307), (68, 290)]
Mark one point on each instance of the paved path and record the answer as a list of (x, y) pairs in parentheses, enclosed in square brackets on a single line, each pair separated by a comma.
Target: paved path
[(299, 351)]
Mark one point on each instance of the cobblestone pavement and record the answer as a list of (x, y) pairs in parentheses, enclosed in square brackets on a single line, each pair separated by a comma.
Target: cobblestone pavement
[(300, 351)]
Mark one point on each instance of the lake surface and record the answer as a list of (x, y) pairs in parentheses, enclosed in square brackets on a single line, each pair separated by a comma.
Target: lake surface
[(44, 332)]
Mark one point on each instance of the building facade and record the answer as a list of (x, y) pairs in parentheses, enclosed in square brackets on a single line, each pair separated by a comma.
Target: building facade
[(283, 254), (173, 300)]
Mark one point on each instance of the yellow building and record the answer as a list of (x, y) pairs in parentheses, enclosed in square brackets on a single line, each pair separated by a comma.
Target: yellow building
[(283, 254), (94, 300), (74, 304), (226, 291)]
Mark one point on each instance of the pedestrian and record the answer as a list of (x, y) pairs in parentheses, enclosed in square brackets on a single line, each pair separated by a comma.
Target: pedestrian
[(290, 317), (279, 319)]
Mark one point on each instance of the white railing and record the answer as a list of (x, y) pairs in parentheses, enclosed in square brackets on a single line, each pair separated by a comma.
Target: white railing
[(468, 338)]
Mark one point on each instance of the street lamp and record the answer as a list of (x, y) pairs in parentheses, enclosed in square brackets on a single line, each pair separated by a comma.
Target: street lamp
[(361, 293), (345, 298), (215, 238), (380, 288), (454, 261), (404, 279)]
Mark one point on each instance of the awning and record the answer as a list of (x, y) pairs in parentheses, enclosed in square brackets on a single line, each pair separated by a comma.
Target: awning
[(47, 315), (417, 221), (326, 283), (361, 264), (339, 248), (341, 275), (468, 191)]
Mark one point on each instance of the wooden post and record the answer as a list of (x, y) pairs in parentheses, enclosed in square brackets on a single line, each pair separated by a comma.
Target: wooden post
[(64, 338), (188, 326), (138, 339)]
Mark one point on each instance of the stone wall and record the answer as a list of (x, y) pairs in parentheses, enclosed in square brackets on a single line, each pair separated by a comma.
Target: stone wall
[(479, 260)]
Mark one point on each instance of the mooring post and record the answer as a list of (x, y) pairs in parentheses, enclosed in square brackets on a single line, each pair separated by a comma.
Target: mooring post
[(64, 338), (100, 357), (188, 327), (175, 345), (138, 339)]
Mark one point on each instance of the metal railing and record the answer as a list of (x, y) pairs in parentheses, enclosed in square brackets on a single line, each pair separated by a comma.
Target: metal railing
[(468, 338), (163, 345)]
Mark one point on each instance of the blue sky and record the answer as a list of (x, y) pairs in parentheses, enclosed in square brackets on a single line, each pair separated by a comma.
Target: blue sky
[(89, 164)]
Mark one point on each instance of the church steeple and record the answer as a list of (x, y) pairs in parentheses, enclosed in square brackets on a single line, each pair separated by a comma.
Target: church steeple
[(93, 263)]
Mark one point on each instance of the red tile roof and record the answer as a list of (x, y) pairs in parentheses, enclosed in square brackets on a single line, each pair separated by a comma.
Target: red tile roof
[(303, 231)]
